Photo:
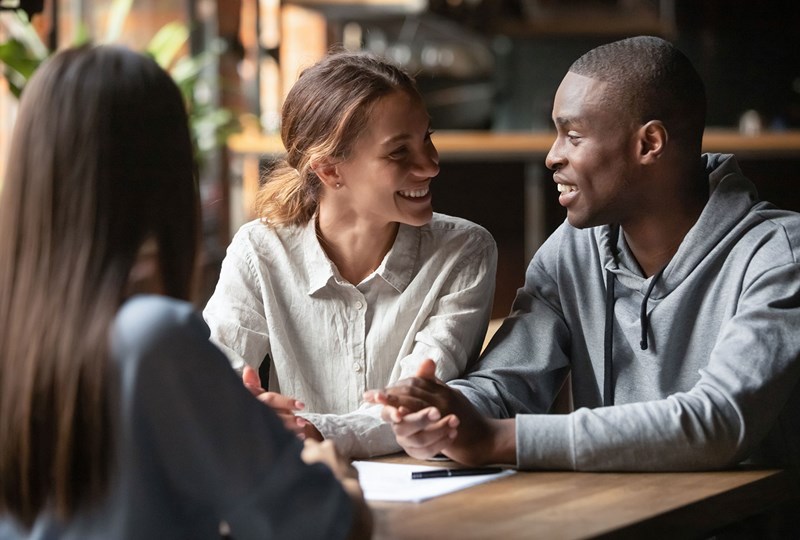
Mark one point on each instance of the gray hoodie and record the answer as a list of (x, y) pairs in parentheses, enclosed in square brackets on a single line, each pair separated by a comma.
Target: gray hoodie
[(701, 361)]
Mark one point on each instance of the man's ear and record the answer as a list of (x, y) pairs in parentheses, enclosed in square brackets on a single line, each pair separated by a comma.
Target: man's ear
[(653, 139), (328, 172)]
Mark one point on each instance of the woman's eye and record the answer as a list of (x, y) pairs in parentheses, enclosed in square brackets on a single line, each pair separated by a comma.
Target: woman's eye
[(428, 135), (399, 153)]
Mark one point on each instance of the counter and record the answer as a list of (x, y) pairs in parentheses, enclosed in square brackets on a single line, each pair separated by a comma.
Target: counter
[(249, 148), (523, 146)]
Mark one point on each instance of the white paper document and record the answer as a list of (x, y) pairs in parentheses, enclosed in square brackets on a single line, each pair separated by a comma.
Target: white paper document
[(392, 482)]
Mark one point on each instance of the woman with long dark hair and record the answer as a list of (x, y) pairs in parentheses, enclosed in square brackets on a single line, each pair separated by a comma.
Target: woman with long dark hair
[(118, 417)]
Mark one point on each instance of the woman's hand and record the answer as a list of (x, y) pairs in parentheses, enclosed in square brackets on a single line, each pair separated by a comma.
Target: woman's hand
[(325, 453), (284, 406)]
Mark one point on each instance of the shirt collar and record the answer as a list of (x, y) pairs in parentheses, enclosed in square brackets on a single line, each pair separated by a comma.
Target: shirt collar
[(401, 262), (319, 268), (397, 268)]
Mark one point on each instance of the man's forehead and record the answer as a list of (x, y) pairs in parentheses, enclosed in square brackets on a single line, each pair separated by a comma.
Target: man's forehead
[(578, 99), (582, 88)]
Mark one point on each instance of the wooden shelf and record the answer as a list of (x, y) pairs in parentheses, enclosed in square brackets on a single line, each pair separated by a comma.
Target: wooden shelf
[(351, 8), (586, 24), (534, 145)]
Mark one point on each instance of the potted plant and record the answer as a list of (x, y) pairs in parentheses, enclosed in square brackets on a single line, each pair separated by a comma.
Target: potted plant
[(23, 51)]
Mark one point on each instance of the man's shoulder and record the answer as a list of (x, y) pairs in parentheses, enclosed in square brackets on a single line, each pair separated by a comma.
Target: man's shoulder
[(783, 225), (566, 238)]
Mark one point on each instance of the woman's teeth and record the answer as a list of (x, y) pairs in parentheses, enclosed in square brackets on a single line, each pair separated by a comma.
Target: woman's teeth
[(414, 193), (564, 188)]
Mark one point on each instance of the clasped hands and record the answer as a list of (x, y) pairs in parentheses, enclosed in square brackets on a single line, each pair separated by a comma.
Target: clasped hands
[(428, 417)]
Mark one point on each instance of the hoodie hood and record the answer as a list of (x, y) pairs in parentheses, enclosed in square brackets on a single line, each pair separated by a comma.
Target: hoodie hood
[(731, 196)]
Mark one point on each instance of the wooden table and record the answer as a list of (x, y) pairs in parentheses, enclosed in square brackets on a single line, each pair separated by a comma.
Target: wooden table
[(570, 505)]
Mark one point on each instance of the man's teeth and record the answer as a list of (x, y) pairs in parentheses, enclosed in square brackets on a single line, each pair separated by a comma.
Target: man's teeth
[(414, 193), (564, 188)]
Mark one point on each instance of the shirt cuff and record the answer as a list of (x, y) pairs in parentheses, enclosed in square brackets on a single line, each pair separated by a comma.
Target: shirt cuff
[(544, 441), (356, 434)]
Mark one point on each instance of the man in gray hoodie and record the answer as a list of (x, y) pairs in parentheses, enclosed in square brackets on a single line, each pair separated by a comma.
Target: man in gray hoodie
[(671, 297)]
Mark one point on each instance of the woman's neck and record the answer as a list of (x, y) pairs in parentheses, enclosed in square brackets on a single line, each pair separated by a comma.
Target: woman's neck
[(355, 246)]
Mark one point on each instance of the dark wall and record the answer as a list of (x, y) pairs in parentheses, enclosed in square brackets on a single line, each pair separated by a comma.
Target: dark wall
[(747, 52)]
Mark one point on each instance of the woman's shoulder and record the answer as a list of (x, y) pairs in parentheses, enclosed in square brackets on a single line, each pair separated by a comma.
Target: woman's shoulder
[(446, 230), (151, 315), (454, 226), (259, 234), (148, 326)]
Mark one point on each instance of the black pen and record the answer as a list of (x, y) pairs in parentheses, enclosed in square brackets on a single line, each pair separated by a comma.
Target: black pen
[(445, 473)]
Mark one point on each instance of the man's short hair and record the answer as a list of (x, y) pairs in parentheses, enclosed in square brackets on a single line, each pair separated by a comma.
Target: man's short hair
[(650, 79)]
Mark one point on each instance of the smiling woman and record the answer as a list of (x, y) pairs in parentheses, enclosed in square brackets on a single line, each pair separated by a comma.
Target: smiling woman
[(349, 279)]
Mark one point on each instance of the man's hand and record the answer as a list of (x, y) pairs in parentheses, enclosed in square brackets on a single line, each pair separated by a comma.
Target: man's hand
[(429, 417), (284, 406)]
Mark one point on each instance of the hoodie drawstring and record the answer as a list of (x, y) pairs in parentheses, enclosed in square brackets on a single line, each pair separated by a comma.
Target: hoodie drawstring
[(643, 312), (608, 388), (608, 372)]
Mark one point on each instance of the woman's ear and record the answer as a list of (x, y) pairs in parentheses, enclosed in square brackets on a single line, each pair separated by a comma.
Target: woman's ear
[(328, 173), (653, 139)]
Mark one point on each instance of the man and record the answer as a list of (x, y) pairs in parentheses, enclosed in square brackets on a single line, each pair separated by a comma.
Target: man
[(671, 297)]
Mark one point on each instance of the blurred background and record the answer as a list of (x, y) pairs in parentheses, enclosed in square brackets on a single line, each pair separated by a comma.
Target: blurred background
[(488, 70)]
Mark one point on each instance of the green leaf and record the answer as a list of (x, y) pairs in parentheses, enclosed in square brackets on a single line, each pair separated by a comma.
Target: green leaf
[(82, 35), (19, 64), (21, 30), (210, 125), (118, 13), (167, 43), (187, 70), (15, 56)]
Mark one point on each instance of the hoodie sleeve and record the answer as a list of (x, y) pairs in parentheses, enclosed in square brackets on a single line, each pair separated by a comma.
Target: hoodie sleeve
[(743, 398), (526, 362), (742, 404)]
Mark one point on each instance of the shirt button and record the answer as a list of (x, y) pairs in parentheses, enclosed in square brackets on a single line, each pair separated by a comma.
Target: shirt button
[(359, 304), (356, 367)]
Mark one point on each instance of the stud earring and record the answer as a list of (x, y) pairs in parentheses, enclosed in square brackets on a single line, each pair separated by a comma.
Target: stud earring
[(338, 185)]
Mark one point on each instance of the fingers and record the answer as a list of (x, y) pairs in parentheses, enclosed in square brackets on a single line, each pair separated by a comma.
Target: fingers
[(378, 397), (427, 420), (427, 369), (250, 378), (284, 407), (280, 402), (425, 433), (313, 452), (413, 394), (325, 452), (295, 424), (393, 415)]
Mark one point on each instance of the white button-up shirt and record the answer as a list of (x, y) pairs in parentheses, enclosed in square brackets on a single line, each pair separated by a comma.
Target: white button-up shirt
[(280, 298)]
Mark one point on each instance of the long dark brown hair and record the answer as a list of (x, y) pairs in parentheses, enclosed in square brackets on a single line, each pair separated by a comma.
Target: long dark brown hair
[(324, 112), (100, 162)]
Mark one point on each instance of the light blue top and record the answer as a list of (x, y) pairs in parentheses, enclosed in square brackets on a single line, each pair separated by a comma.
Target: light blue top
[(194, 448)]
